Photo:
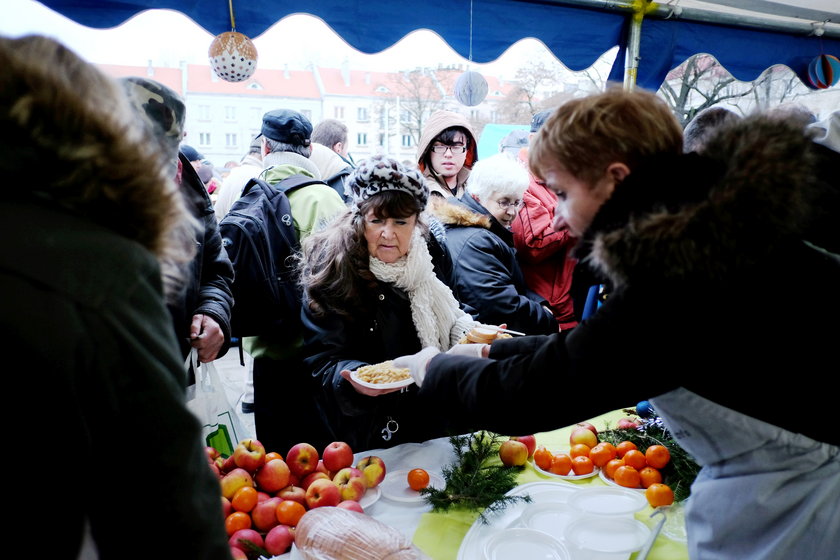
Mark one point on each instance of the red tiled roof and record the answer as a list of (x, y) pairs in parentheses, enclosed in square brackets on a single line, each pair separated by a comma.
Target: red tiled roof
[(272, 83), (358, 83), (170, 77)]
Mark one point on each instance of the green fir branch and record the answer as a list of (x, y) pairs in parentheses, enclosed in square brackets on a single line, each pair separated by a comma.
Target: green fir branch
[(473, 481)]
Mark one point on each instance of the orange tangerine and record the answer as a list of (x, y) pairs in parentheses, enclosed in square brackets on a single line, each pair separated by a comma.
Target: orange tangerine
[(417, 479), (579, 450), (635, 459), (624, 447), (627, 477), (582, 465), (649, 475), (289, 512), (659, 494), (602, 454), (657, 456), (612, 466), (560, 464), (543, 457)]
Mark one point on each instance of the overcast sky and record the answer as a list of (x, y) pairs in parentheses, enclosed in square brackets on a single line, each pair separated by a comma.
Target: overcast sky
[(167, 37)]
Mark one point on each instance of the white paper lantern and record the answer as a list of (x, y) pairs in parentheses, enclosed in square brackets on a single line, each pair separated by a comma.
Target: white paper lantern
[(233, 56), (470, 89)]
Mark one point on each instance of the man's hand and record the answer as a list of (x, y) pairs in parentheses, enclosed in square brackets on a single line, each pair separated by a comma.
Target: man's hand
[(207, 337), (417, 363)]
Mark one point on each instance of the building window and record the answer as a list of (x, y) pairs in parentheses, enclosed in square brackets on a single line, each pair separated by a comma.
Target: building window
[(338, 112), (361, 139), (230, 113), (381, 139), (204, 139), (230, 140), (474, 113), (204, 112), (406, 140), (405, 116), (362, 114)]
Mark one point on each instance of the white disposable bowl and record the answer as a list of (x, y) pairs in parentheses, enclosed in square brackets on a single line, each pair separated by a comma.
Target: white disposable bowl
[(596, 537), (521, 544), (551, 519), (608, 501)]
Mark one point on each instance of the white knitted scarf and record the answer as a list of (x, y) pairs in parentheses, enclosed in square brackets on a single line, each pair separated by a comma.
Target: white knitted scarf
[(439, 320)]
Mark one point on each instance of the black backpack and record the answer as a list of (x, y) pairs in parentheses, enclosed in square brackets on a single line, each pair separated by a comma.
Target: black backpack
[(260, 239)]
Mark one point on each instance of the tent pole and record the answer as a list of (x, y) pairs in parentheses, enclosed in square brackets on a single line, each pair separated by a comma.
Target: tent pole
[(631, 59)]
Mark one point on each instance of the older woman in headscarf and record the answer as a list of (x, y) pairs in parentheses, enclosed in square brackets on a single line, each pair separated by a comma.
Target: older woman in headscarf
[(375, 285)]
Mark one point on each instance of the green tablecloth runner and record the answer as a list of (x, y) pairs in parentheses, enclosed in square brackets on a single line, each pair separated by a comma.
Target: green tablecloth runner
[(440, 534)]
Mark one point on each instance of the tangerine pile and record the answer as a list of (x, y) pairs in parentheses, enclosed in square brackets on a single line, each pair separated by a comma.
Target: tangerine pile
[(578, 460), (629, 467), (624, 463)]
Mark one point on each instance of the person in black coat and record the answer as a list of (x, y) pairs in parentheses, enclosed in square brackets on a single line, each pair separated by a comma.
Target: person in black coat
[(376, 288), (478, 236), (201, 309), (708, 255)]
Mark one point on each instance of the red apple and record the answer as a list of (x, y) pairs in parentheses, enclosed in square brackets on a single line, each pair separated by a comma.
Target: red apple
[(262, 496), (264, 514), (513, 453), (234, 480), (226, 464), (216, 471), (249, 455), (212, 453), (294, 493), (273, 476), (279, 539), (246, 535), (351, 483), (352, 505), (584, 436), (337, 455), (302, 459), (312, 477), (322, 492), (628, 424), (373, 469), (589, 426), (227, 508), (237, 553), (529, 441)]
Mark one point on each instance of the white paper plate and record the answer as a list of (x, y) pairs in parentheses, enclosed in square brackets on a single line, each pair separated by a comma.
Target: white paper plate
[(394, 385), (518, 544), (612, 482), (371, 496), (566, 476), (395, 487), (549, 518), (593, 534), (608, 501)]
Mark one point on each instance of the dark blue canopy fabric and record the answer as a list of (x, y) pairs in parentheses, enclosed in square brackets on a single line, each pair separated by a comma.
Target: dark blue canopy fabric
[(577, 36), (745, 53)]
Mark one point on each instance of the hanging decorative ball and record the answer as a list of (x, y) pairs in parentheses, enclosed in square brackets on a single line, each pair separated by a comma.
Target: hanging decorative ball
[(824, 71), (470, 89), (233, 56)]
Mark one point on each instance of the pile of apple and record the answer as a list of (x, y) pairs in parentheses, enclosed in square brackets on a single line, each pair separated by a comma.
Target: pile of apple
[(264, 495)]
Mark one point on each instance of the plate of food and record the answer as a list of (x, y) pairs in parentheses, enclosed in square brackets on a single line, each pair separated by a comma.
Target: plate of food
[(570, 476), (395, 486), (612, 482), (382, 376)]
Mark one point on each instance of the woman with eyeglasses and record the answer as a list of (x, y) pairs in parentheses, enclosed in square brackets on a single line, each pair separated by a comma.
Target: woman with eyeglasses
[(446, 153), (487, 275)]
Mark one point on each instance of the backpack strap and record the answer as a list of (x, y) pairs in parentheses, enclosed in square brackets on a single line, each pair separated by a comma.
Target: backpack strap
[(289, 184)]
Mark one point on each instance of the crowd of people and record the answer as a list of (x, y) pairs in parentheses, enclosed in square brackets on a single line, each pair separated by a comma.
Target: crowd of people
[(709, 247)]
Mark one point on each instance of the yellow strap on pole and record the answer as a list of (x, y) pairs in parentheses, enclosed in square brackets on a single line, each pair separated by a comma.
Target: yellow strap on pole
[(631, 60)]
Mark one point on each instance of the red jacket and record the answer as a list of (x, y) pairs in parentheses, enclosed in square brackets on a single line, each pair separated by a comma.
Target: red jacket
[(543, 252)]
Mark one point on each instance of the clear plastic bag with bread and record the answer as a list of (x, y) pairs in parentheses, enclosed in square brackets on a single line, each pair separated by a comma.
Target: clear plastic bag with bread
[(331, 533)]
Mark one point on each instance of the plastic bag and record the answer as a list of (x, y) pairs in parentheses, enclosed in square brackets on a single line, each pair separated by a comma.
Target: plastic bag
[(221, 428)]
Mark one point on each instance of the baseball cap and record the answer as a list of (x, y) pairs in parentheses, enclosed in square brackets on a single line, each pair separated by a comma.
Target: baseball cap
[(287, 126)]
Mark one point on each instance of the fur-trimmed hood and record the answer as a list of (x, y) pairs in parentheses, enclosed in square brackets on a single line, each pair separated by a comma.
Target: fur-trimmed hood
[(458, 214), (704, 217)]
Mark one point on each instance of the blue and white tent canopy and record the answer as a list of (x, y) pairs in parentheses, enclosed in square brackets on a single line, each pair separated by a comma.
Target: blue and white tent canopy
[(746, 36)]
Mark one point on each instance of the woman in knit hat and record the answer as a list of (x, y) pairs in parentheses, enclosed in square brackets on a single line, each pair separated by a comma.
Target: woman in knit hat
[(375, 286)]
